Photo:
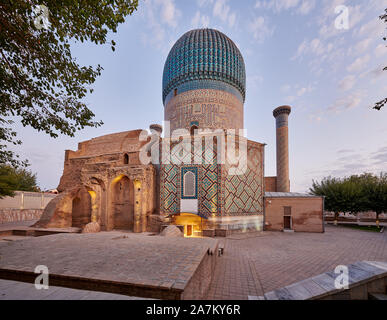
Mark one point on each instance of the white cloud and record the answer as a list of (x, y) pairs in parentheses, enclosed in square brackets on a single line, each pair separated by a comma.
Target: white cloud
[(260, 29), (380, 50), (348, 102), (222, 11), (347, 83), (363, 45), (159, 15), (276, 5), (200, 21), (359, 64), (306, 6), (203, 3)]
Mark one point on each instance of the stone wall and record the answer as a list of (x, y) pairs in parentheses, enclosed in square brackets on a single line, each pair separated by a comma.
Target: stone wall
[(24, 206), (14, 215)]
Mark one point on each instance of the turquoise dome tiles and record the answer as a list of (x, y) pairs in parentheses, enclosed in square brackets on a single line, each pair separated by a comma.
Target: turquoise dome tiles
[(204, 54)]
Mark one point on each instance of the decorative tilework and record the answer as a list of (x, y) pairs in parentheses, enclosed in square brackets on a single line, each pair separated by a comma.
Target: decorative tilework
[(169, 202), (243, 194), (204, 54)]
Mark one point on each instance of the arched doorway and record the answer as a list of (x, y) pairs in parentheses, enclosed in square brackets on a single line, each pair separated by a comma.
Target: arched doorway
[(81, 209), (122, 203), (193, 224)]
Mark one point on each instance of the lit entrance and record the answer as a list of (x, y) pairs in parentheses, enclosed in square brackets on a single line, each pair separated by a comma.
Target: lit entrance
[(193, 224)]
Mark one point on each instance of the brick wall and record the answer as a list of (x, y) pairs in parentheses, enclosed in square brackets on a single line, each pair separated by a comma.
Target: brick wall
[(306, 214)]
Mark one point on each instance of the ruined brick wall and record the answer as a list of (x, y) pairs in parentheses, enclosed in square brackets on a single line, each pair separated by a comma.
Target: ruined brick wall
[(306, 214)]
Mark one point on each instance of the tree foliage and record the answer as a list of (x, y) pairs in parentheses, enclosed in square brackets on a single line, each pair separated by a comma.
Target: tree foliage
[(353, 194), (12, 179), (41, 82), (380, 104)]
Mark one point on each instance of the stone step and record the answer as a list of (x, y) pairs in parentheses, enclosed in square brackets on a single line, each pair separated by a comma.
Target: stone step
[(377, 296)]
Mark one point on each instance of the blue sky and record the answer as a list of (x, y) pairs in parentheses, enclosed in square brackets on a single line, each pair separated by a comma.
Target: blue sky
[(293, 54)]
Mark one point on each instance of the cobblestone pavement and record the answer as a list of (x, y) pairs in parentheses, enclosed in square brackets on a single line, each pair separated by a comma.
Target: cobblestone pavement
[(257, 263)]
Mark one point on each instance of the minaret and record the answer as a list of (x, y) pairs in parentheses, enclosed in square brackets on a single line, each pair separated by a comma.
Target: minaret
[(281, 115)]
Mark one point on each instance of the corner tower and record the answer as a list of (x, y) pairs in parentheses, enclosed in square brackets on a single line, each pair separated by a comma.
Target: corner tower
[(204, 82), (281, 115)]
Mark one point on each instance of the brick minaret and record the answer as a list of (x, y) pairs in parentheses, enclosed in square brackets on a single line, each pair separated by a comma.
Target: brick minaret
[(281, 115)]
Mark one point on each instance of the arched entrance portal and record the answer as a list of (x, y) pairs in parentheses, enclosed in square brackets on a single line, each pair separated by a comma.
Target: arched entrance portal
[(122, 204), (193, 224)]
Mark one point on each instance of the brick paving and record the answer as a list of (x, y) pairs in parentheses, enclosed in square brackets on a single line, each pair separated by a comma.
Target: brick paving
[(123, 258), (254, 264), (12, 290)]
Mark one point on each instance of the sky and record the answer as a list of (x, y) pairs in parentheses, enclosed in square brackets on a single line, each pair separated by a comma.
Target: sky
[(301, 53)]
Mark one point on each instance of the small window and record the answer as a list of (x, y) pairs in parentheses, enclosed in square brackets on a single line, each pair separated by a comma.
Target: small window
[(287, 211), (126, 158), (175, 92), (189, 184)]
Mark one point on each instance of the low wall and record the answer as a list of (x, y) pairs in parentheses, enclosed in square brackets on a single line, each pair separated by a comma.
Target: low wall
[(24, 206), (365, 278), (14, 215)]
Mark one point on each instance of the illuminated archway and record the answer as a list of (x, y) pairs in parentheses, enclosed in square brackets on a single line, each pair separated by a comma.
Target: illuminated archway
[(193, 224)]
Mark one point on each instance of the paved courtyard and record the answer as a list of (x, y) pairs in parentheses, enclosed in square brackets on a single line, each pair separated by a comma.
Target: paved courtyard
[(138, 263), (259, 263), (252, 264)]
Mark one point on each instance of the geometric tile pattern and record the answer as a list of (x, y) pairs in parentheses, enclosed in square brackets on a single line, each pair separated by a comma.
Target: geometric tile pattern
[(204, 54), (170, 179), (243, 194)]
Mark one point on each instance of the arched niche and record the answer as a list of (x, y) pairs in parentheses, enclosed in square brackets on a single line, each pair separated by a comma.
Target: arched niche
[(122, 203)]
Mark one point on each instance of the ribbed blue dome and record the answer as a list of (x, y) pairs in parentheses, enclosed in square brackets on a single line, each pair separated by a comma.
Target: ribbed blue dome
[(204, 54)]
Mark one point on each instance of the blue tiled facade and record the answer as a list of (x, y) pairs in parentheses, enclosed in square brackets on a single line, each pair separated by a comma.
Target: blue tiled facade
[(204, 54), (204, 84)]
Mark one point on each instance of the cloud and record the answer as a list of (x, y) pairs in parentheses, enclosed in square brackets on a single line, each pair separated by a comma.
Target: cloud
[(359, 64), (277, 5), (348, 102), (203, 3), (306, 6), (222, 11), (159, 15), (169, 13), (363, 45), (260, 29), (380, 50), (314, 47), (200, 21), (380, 156), (347, 83)]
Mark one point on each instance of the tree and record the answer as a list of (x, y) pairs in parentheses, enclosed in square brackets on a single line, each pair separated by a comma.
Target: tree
[(331, 189), (353, 194), (12, 179), (41, 82), (375, 190), (380, 104)]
